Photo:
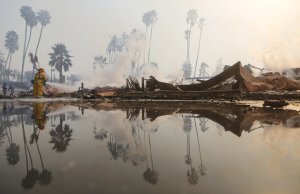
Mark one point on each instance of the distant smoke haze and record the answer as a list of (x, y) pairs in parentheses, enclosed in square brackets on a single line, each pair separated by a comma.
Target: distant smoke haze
[(282, 53), (115, 73)]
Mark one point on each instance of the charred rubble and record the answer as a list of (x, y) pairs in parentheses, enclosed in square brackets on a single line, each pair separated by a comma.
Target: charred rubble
[(234, 83)]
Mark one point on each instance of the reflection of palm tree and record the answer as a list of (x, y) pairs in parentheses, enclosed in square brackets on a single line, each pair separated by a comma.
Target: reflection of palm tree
[(30, 179), (150, 175), (61, 136), (102, 134), (32, 175), (201, 167), (117, 150), (187, 127), (112, 146), (203, 123), (12, 152), (192, 176), (45, 177)]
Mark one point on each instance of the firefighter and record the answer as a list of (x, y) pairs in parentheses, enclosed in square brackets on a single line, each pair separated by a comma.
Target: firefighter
[(11, 88), (4, 89), (39, 81)]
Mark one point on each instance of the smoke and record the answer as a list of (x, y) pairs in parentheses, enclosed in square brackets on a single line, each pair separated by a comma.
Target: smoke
[(125, 63), (282, 53), (62, 87)]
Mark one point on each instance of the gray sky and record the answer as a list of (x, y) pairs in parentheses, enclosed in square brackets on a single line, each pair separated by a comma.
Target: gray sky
[(245, 30)]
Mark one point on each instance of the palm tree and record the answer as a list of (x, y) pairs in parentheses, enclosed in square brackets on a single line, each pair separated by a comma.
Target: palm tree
[(186, 36), (191, 19), (60, 59), (43, 17), (2, 63), (99, 60), (151, 20), (146, 21), (201, 21), (187, 70), (11, 43), (111, 48), (31, 21)]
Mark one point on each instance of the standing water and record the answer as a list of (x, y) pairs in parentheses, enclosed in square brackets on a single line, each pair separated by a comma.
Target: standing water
[(60, 147)]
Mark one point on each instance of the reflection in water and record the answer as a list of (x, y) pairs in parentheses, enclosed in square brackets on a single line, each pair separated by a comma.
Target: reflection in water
[(61, 135), (201, 167), (150, 175), (12, 116), (13, 150), (187, 127), (133, 141)]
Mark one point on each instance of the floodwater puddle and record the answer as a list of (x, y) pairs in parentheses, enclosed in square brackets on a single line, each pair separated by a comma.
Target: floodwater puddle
[(147, 147)]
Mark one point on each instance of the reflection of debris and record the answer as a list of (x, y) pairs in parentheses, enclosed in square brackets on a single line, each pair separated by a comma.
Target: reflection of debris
[(242, 117)]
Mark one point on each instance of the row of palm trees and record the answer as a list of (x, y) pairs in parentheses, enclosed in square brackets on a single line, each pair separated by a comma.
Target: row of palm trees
[(119, 44), (31, 20), (60, 58), (12, 39), (192, 19)]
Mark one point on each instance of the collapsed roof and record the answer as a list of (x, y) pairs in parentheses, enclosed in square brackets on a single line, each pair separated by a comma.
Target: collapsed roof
[(243, 79)]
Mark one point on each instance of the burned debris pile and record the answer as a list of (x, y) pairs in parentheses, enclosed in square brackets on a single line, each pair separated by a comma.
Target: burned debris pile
[(235, 82)]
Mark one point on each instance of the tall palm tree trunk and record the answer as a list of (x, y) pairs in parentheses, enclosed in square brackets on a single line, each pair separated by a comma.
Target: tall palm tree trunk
[(6, 62), (23, 59), (189, 43), (38, 147), (60, 73), (26, 145), (28, 41), (150, 43), (37, 46), (198, 51), (27, 45), (201, 161), (150, 150), (187, 49), (145, 145), (145, 44), (8, 72)]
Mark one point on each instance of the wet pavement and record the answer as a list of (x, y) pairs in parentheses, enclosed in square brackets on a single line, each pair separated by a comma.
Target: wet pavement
[(148, 147)]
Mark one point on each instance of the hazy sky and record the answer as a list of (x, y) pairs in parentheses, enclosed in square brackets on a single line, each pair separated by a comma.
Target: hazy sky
[(245, 30)]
